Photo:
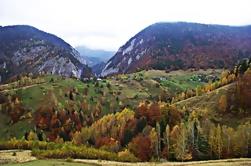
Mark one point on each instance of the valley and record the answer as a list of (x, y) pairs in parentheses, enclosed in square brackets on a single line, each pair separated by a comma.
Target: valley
[(59, 109), (174, 94)]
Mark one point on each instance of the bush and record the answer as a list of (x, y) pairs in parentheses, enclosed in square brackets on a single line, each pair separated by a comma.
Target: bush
[(66, 150), (69, 159), (28, 145), (81, 152), (107, 144), (127, 156), (16, 144)]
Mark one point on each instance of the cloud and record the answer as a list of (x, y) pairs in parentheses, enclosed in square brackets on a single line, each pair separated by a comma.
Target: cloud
[(108, 24)]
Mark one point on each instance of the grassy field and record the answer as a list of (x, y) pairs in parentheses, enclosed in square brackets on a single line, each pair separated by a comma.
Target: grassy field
[(24, 158), (230, 162), (208, 102), (126, 87)]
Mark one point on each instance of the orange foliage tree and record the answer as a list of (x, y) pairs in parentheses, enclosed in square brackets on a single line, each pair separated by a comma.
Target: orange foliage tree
[(150, 111)]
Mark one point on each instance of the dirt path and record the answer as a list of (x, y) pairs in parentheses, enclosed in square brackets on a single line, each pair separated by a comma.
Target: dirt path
[(24, 87), (227, 162), (15, 156), (22, 156)]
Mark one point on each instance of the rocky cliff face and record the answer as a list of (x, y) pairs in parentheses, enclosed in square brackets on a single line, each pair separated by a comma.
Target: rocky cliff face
[(25, 49), (171, 46)]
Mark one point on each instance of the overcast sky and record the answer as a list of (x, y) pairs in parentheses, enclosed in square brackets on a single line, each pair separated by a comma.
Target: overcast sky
[(108, 24)]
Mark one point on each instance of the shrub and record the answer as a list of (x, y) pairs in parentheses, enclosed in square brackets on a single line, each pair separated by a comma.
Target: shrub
[(66, 150), (108, 144), (69, 159), (80, 152), (27, 145), (127, 156)]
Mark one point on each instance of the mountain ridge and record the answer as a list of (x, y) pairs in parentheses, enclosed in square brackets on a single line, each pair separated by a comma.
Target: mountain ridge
[(181, 45), (26, 49)]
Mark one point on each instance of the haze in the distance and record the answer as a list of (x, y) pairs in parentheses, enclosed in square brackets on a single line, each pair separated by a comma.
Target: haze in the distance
[(107, 24)]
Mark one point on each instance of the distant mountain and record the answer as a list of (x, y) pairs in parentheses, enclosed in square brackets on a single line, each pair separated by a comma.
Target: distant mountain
[(25, 49), (170, 46), (94, 56), (97, 69)]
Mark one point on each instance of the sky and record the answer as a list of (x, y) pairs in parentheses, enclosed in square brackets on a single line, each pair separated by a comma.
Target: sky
[(108, 24)]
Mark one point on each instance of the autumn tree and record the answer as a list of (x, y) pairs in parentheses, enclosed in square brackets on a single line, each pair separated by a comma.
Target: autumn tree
[(150, 111), (215, 141), (154, 113), (141, 147), (153, 135), (77, 138), (174, 116), (141, 110), (112, 125), (222, 105), (129, 131), (32, 136), (85, 134), (158, 147), (243, 90), (224, 76), (242, 140), (167, 139), (181, 145), (219, 142), (228, 134)]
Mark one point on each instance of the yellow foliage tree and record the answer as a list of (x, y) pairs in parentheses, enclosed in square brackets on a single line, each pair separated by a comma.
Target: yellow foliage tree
[(222, 105)]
